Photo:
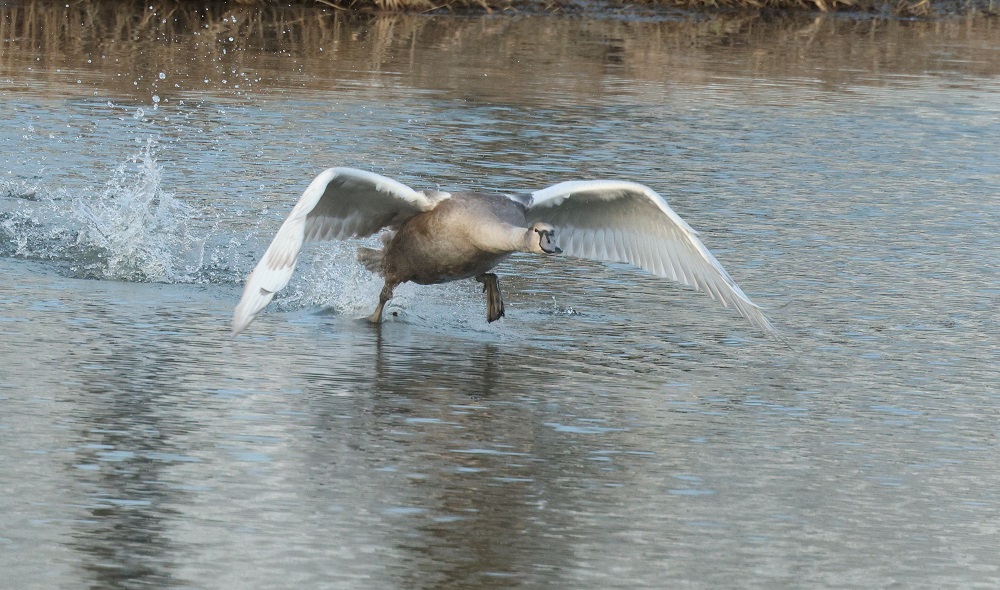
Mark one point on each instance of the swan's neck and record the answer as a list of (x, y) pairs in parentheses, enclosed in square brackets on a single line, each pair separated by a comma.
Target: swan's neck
[(507, 238), (527, 240)]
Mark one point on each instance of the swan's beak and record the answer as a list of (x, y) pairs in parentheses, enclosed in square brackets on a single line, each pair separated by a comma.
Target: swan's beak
[(548, 245)]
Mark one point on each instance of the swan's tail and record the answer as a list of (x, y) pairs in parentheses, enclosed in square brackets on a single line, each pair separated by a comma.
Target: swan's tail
[(372, 259)]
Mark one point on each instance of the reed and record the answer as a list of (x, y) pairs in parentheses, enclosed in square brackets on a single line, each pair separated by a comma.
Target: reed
[(416, 5), (895, 7), (906, 8), (111, 48)]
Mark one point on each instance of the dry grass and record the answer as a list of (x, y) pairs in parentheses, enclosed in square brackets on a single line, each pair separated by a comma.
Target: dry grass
[(407, 5), (905, 8)]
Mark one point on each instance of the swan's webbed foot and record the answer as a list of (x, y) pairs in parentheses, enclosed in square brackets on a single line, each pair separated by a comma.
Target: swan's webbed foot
[(494, 300), (383, 298)]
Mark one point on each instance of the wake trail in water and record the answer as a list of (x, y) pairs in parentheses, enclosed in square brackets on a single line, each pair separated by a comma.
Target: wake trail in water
[(132, 229)]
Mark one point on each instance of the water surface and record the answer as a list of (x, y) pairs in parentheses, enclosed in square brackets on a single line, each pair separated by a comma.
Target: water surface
[(613, 430)]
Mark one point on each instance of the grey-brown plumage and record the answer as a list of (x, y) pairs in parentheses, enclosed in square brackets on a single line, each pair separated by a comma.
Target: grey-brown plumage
[(435, 237), (454, 241)]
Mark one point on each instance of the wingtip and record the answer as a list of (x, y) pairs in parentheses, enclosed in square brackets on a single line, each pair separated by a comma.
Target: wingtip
[(236, 330), (240, 323), (249, 306), (780, 337), (756, 316), (764, 323)]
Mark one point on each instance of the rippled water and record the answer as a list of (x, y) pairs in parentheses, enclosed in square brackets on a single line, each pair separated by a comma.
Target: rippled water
[(612, 430)]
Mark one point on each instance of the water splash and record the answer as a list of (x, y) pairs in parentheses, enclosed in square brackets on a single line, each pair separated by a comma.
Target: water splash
[(135, 231), (31, 225), (329, 276), (130, 229)]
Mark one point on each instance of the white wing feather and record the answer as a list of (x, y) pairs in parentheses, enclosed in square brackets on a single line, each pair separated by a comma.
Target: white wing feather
[(339, 203), (619, 221)]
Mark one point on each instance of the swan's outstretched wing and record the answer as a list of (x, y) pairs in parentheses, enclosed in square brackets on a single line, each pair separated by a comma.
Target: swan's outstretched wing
[(339, 203), (621, 221)]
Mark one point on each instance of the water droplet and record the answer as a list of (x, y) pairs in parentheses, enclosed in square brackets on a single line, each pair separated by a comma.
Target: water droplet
[(156, 99), (163, 76)]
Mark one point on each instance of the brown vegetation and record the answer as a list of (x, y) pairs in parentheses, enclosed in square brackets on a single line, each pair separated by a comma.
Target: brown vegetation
[(907, 8), (109, 48)]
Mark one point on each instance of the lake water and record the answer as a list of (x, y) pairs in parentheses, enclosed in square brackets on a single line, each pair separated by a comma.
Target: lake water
[(613, 430)]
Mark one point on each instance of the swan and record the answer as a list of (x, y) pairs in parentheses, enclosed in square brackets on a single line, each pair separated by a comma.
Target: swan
[(435, 237)]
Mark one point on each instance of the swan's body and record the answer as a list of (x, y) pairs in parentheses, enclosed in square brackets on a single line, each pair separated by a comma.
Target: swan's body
[(437, 237), (425, 249)]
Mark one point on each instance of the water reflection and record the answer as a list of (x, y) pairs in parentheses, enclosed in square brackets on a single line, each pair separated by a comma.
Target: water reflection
[(483, 466), (132, 427), (472, 467), (467, 452), (175, 50)]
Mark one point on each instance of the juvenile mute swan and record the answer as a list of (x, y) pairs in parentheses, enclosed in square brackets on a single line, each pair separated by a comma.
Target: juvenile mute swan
[(436, 237)]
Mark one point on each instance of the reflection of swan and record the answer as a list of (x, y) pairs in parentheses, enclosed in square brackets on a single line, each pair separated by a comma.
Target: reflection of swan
[(438, 237)]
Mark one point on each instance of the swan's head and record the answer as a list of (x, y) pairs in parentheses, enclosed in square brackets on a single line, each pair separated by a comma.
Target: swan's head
[(542, 239)]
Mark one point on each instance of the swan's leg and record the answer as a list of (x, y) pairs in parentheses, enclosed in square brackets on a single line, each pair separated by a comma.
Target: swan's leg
[(383, 298), (494, 300)]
